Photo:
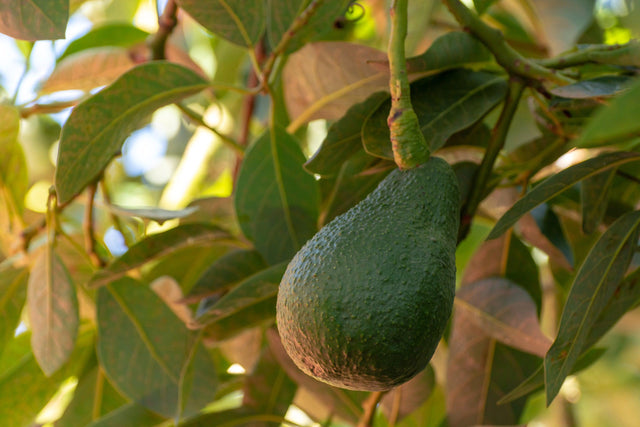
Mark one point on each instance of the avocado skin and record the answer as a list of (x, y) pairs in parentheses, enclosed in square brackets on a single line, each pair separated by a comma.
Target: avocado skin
[(364, 303)]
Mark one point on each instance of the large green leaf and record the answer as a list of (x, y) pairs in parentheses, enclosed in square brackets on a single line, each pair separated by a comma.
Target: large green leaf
[(96, 129), (557, 184), (14, 181), (164, 368), (343, 138), (282, 13), (13, 293), (239, 21), (616, 122), (118, 34), (24, 389), (598, 87), (625, 298), (276, 200), (594, 199), (535, 381), (227, 271), (357, 177), (451, 50), (159, 245), (53, 312), (595, 284), (129, 415), (445, 104), (268, 389), (250, 303), (34, 19), (93, 398)]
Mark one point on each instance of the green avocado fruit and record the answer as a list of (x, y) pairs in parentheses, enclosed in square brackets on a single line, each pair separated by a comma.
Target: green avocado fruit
[(364, 303)]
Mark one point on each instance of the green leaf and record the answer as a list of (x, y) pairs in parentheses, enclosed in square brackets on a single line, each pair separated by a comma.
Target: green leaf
[(24, 389), (241, 416), (240, 21), (118, 34), (268, 389), (250, 303), (594, 198), (358, 176), (625, 297), (482, 5), (164, 369), (614, 123), (603, 86), (159, 245), (34, 19), (129, 415), (445, 104), (535, 381), (282, 13), (228, 271), (93, 398), (595, 284), (53, 312), (343, 138), (559, 183), (504, 312), (451, 50), (153, 214), (96, 128), (432, 412), (276, 200), (412, 394), (13, 293), (14, 181)]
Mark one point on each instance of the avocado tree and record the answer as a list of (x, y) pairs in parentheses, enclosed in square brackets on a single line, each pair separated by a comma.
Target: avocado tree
[(161, 164)]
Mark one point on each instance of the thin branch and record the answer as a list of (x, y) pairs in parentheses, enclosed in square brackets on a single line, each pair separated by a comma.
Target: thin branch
[(117, 221), (199, 120), (167, 21), (299, 23), (88, 224), (369, 406), (409, 146), (507, 57), (496, 143), (53, 107), (619, 54)]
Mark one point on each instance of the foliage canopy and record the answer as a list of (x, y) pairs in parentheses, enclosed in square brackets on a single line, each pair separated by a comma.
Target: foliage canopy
[(157, 178)]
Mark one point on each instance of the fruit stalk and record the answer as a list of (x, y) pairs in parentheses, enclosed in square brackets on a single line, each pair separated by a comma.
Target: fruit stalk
[(410, 149)]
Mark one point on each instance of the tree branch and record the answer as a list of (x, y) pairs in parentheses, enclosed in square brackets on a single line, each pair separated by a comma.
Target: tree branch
[(505, 55), (167, 21)]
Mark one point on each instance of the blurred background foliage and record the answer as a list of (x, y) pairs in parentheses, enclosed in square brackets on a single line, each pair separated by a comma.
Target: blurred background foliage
[(171, 161)]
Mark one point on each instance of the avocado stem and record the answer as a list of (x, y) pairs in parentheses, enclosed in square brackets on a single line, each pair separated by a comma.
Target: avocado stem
[(409, 146)]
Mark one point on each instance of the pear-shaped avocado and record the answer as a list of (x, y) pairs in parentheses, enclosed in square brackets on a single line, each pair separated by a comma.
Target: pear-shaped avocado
[(364, 303)]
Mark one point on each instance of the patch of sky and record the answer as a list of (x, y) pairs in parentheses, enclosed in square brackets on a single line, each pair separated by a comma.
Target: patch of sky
[(142, 151)]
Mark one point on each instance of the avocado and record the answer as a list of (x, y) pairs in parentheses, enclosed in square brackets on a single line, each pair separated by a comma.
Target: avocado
[(364, 303)]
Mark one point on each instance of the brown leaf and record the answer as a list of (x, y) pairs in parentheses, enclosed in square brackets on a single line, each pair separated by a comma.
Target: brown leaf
[(530, 232), (171, 293), (480, 370), (53, 312), (505, 312), (89, 69), (322, 80)]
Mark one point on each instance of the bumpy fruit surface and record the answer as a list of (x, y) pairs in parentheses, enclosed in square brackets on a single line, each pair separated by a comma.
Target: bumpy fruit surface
[(364, 303)]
